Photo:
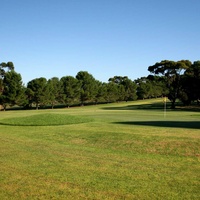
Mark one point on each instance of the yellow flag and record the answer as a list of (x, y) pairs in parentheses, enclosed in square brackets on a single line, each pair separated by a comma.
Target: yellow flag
[(165, 99)]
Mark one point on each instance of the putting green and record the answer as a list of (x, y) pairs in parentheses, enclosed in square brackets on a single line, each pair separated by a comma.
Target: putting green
[(46, 119)]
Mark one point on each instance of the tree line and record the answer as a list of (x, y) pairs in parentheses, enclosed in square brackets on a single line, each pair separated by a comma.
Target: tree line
[(177, 80)]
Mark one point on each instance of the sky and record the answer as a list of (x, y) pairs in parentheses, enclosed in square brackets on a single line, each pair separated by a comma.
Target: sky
[(106, 38)]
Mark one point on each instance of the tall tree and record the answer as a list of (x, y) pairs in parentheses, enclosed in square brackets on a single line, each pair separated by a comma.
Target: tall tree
[(70, 88), (4, 67), (38, 91), (190, 85), (13, 91), (118, 91), (126, 88), (88, 86), (112, 92), (54, 87), (101, 92), (172, 71), (144, 88), (158, 86), (130, 89)]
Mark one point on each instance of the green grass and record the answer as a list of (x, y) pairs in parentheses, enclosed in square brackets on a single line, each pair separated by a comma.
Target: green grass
[(46, 119), (114, 151)]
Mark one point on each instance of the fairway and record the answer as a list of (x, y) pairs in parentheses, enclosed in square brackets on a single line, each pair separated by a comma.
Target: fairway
[(129, 150)]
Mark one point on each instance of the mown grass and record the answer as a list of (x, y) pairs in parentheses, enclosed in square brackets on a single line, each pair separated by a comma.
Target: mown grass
[(46, 119), (124, 152)]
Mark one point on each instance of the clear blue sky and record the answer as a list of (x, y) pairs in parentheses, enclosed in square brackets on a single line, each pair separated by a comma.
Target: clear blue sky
[(55, 38)]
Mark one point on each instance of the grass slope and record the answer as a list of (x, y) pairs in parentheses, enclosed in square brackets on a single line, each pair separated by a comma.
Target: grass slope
[(46, 119), (127, 151)]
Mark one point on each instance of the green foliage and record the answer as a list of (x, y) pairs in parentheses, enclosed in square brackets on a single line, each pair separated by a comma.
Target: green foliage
[(177, 80), (8, 65), (38, 92), (12, 92), (144, 88), (172, 71), (88, 89), (126, 88), (190, 82), (54, 87), (112, 92), (101, 92), (3, 66), (70, 90)]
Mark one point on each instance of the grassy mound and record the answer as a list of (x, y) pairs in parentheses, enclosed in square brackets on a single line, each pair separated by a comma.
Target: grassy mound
[(47, 119)]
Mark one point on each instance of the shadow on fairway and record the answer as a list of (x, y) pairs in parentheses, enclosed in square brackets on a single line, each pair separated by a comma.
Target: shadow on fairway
[(153, 106), (168, 124)]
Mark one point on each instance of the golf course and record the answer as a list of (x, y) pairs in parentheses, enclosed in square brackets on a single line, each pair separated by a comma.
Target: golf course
[(127, 150)]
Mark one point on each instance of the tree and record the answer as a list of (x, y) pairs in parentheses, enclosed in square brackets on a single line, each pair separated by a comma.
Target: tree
[(88, 86), (172, 71), (3, 66), (54, 87), (101, 92), (158, 86), (130, 89), (190, 84), (13, 90), (70, 88), (194, 73), (112, 94), (144, 88), (38, 92), (126, 88)]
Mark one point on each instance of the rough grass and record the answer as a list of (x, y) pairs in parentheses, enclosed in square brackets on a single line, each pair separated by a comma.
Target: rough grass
[(114, 156)]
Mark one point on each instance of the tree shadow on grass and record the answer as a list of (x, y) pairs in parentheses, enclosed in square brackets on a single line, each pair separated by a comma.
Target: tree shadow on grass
[(167, 124), (155, 106)]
